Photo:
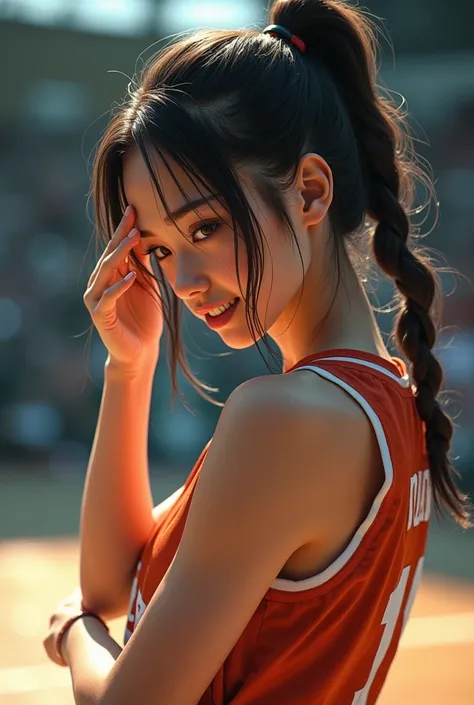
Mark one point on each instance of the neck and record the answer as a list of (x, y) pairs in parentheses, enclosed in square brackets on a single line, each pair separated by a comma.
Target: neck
[(344, 319)]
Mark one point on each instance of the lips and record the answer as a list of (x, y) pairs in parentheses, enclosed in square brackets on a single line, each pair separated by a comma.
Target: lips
[(203, 310), (221, 320)]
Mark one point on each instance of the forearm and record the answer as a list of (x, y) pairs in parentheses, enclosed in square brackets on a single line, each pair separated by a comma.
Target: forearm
[(117, 503), (90, 654)]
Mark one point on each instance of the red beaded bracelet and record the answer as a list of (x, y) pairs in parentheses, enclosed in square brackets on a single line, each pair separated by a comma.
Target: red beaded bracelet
[(68, 624)]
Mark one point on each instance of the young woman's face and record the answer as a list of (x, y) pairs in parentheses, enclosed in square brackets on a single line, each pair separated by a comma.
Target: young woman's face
[(201, 267)]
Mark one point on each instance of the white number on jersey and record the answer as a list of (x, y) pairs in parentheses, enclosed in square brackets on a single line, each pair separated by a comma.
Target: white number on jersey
[(389, 621)]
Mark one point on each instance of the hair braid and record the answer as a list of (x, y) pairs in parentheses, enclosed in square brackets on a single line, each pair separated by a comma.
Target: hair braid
[(416, 335), (415, 281)]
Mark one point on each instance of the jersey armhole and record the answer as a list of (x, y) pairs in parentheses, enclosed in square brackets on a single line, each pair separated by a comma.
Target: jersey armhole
[(342, 563)]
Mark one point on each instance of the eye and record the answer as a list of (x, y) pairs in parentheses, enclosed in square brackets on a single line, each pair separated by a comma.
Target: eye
[(206, 230), (200, 232), (158, 248)]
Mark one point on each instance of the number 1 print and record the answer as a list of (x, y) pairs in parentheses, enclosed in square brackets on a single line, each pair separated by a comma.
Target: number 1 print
[(389, 621)]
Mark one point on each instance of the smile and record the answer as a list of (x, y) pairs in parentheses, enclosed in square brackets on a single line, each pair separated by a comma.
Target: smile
[(219, 317)]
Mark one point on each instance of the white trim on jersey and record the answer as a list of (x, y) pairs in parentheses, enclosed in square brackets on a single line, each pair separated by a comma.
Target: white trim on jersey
[(402, 381), (346, 555)]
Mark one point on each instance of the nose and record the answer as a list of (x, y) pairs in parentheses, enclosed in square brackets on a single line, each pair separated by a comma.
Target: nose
[(190, 280)]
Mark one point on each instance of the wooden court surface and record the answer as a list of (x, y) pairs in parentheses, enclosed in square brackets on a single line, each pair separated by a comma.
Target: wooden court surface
[(434, 665)]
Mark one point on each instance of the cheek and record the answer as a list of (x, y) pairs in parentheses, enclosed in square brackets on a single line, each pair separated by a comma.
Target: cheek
[(226, 268)]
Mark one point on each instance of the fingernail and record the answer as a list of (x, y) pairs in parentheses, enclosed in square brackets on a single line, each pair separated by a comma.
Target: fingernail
[(133, 233), (127, 210)]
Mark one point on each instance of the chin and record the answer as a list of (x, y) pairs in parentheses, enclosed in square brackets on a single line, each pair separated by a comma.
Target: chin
[(238, 336), (237, 340)]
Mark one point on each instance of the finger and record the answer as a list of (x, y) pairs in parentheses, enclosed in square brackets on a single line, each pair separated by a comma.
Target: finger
[(122, 230), (116, 259), (109, 268), (120, 233), (109, 297)]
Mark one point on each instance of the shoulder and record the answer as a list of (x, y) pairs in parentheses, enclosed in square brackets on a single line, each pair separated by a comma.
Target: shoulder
[(293, 404), (301, 442)]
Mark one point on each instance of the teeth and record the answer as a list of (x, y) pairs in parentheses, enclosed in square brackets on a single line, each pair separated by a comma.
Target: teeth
[(221, 309)]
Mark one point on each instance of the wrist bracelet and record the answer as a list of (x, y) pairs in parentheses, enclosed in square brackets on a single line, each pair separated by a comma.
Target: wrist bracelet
[(68, 624)]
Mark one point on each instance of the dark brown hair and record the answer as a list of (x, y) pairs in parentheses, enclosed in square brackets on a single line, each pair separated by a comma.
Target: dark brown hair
[(218, 100)]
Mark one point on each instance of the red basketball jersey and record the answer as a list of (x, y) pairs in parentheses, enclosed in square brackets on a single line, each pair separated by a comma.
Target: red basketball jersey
[(328, 639)]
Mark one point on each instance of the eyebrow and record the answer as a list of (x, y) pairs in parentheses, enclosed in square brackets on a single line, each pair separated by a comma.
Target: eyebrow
[(180, 212)]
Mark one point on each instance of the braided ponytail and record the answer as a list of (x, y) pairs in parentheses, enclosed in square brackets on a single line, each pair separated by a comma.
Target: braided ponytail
[(344, 40), (416, 335)]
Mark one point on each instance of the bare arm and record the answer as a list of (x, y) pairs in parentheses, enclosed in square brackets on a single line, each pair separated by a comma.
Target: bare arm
[(117, 504)]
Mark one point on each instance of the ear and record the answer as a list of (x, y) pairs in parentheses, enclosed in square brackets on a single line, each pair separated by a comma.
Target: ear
[(314, 186)]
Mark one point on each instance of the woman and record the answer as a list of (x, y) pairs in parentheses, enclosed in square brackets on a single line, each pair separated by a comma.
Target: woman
[(284, 570)]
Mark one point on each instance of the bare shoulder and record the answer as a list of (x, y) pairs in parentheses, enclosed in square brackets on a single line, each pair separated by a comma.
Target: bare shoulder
[(300, 398), (298, 440)]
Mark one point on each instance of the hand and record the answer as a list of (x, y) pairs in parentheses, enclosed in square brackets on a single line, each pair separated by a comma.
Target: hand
[(127, 314), (66, 609)]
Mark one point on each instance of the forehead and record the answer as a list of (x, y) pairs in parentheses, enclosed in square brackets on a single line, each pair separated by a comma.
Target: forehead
[(140, 190)]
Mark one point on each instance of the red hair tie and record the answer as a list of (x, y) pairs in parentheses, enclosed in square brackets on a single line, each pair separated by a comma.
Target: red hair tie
[(277, 30)]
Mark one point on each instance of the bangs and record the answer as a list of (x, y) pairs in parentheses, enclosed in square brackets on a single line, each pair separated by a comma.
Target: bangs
[(179, 134), (184, 135)]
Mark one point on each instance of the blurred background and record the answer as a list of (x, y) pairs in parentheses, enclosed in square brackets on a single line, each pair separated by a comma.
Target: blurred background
[(66, 64)]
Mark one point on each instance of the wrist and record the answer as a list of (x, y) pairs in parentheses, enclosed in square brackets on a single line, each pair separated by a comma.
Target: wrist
[(123, 372), (73, 624)]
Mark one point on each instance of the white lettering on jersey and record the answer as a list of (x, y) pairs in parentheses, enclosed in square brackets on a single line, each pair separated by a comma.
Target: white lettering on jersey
[(135, 615), (420, 498), (139, 609), (136, 607)]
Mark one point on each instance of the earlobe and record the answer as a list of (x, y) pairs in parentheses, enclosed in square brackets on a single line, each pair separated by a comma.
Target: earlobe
[(315, 187)]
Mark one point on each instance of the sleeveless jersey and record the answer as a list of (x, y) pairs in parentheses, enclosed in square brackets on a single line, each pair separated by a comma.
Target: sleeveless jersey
[(328, 639)]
